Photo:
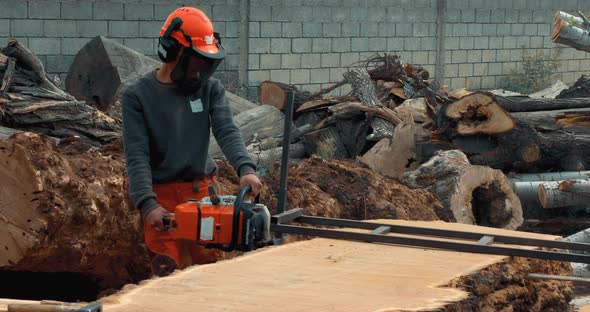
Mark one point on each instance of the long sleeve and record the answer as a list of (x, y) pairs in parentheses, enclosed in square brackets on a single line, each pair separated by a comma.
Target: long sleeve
[(137, 154), (227, 133)]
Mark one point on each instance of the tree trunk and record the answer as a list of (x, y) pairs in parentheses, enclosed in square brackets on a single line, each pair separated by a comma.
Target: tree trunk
[(364, 89), (558, 194), (525, 104), (470, 194), (571, 31), (259, 123), (65, 208), (580, 89)]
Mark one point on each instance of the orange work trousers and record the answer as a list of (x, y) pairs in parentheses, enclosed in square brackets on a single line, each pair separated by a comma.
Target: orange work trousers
[(184, 253)]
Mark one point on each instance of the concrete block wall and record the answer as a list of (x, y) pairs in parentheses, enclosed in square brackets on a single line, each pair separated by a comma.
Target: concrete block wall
[(310, 43)]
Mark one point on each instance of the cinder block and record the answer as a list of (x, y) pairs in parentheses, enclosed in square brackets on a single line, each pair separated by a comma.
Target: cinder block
[(474, 56), (503, 55), (348, 59), (395, 44), (530, 29), (498, 16), (226, 13), (536, 42), (255, 77), (509, 67), (232, 45), (375, 14), (359, 44), (300, 76), (76, 10), (403, 30), (270, 61), (59, 63), (377, 44), (525, 16), (457, 83), (394, 15), (280, 45), (341, 44), (523, 42), (340, 14), (468, 15), (495, 68), (300, 45), (290, 60), (331, 60), (108, 11), (458, 57), (71, 46), (475, 30), (481, 42), (543, 30), (488, 56), (473, 83), (420, 58), (467, 43), (336, 74), (4, 29), (496, 42), (414, 15), (13, 9), (351, 29), (489, 29), (504, 29), (150, 29), (385, 29), (260, 13), (322, 44), (460, 30), (429, 43), (254, 61), (511, 16), (253, 29), (465, 70), (519, 4), (270, 29), (26, 28), (488, 82), (453, 16), (292, 30), (411, 44), (281, 75), (359, 14), (311, 60), (452, 43), (142, 45), (123, 29), (516, 55), (321, 13), (517, 29), (59, 28), (281, 13), (451, 70), (541, 16), (432, 58), (232, 29), (332, 29), (44, 9), (47, 46), (483, 16), (421, 29), (312, 29), (139, 11), (259, 45), (320, 75), (161, 11), (509, 43)]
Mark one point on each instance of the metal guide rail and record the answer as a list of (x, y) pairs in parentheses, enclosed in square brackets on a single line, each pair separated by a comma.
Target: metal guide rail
[(481, 243)]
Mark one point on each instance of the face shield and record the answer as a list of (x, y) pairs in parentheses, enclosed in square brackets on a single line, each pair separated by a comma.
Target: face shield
[(193, 70)]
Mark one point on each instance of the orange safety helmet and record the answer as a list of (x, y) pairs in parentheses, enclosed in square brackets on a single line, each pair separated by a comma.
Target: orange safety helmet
[(191, 28)]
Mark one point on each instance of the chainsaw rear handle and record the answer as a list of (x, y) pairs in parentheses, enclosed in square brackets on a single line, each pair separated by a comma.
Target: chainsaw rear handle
[(237, 207)]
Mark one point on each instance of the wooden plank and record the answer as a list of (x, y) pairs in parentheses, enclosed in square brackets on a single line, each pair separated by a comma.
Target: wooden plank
[(317, 275)]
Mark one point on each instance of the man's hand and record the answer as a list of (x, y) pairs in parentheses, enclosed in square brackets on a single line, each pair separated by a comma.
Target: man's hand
[(154, 218), (252, 180)]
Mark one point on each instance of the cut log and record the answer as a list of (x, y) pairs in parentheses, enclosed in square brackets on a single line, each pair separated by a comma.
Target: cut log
[(65, 209), (103, 65), (349, 109), (326, 143), (525, 104), (416, 107), (551, 176), (470, 194), (571, 31), (264, 121), (275, 93), (392, 157), (551, 92), (580, 89), (364, 89), (478, 113), (558, 194)]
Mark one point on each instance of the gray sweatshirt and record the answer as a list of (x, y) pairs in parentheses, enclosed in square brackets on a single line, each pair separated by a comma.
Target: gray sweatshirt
[(166, 135)]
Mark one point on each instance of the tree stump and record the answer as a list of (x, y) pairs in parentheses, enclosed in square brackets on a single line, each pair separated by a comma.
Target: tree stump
[(470, 194)]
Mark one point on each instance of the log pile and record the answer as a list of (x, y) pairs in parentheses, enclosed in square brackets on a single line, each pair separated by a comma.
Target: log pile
[(571, 30)]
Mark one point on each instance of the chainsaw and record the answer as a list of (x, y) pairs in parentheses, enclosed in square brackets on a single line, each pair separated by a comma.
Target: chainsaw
[(225, 222)]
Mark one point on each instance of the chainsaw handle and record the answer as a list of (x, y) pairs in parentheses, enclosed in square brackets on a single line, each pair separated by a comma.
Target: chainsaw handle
[(237, 207)]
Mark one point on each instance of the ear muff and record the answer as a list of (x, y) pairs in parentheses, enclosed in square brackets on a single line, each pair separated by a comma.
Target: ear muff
[(168, 47)]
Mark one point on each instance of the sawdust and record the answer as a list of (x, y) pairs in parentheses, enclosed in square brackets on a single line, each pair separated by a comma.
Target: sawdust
[(504, 287), (343, 189)]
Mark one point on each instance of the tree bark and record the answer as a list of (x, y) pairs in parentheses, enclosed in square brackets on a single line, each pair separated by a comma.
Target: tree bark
[(580, 89), (558, 194), (470, 194), (364, 89), (525, 104), (571, 31)]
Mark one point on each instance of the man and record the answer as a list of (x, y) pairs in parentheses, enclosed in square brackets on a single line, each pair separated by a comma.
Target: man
[(167, 117)]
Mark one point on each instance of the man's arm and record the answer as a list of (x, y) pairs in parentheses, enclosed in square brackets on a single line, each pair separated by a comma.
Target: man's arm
[(137, 154), (227, 134)]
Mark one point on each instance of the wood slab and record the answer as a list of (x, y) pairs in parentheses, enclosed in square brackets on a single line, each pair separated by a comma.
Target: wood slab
[(316, 275)]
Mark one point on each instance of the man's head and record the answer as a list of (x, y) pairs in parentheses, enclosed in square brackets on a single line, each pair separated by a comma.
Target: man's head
[(189, 45)]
